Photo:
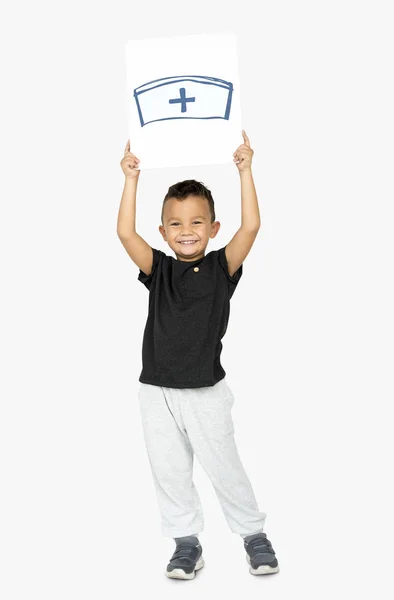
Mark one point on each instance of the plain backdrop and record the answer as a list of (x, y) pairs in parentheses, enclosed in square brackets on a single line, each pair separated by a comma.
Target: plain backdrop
[(309, 348)]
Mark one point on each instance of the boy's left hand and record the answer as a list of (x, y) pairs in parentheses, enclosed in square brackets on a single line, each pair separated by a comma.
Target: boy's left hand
[(243, 154)]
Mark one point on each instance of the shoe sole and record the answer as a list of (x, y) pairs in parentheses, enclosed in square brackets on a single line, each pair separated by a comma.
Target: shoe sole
[(262, 569), (181, 574)]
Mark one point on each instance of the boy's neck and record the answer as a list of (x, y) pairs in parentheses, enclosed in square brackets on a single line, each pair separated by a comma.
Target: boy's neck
[(191, 260)]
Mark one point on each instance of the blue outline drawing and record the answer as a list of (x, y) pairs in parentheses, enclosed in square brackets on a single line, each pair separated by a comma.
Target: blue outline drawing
[(220, 97)]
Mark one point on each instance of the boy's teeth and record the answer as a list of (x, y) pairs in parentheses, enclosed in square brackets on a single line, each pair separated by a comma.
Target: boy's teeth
[(193, 242)]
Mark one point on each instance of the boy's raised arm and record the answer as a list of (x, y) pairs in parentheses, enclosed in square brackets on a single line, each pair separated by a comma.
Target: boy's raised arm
[(139, 251)]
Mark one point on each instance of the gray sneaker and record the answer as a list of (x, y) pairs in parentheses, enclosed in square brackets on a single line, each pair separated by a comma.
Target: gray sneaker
[(187, 558), (260, 554)]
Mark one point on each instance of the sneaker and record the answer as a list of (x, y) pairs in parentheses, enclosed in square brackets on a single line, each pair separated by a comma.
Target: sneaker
[(260, 554), (187, 558)]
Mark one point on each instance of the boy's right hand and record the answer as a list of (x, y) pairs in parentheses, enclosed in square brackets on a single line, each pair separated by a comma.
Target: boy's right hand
[(129, 163)]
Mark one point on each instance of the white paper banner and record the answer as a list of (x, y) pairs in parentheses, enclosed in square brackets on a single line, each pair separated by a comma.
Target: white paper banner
[(183, 100)]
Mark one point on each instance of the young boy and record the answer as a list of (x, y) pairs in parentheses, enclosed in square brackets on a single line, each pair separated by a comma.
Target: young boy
[(185, 400)]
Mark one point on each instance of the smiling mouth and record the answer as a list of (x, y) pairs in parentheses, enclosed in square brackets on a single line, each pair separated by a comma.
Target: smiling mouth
[(188, 243)]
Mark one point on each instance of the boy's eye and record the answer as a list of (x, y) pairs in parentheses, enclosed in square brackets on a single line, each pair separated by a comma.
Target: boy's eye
[(178, 223)]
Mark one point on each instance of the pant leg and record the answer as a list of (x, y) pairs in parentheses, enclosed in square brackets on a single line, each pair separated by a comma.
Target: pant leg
[(207, 418), (171, 459)]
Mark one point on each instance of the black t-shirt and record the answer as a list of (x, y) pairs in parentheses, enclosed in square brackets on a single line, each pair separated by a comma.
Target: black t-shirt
[(189, 308)]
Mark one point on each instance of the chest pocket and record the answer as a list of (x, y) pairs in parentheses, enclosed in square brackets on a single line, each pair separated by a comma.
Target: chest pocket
[(199, 283)]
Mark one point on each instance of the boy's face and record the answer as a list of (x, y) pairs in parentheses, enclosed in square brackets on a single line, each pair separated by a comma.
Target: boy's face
[(188, 219)]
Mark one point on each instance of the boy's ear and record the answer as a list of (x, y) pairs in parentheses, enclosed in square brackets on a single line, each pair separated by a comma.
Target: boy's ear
[(215, 229)]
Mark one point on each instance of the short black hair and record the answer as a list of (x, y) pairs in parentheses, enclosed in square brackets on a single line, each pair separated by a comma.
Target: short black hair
[(189, 187)]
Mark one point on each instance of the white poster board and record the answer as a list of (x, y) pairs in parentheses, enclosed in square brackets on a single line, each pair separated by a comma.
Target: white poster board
[(183, 100)]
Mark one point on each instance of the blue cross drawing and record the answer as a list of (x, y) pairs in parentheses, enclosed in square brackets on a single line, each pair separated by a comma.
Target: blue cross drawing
[(182, 99)]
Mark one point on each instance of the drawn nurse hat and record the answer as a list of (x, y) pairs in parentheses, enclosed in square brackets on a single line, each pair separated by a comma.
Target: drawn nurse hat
[(183, 97)]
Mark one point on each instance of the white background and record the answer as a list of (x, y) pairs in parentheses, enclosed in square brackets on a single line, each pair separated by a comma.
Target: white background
[(309, 348)]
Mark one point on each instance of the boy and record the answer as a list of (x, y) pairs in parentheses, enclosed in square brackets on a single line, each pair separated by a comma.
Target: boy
[(185, 400)]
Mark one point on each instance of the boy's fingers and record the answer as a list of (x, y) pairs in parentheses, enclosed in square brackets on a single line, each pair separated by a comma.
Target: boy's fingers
[(127, 148), (243, 151), (246, 139), (129, 161), (242, 147), (130, 156)]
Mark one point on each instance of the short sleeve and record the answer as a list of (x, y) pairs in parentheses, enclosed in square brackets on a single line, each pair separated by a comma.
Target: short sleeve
[(147, 279), (232, 279)]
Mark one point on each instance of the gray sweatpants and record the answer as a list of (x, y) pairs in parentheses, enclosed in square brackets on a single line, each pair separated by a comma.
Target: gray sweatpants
[(178, 423)]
